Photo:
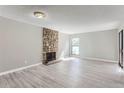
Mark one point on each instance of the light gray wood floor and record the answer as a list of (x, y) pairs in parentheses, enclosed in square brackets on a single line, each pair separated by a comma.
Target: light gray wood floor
[(69, 73)]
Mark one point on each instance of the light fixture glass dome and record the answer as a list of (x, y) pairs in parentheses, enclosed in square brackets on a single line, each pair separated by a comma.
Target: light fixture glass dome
[(39, 14)]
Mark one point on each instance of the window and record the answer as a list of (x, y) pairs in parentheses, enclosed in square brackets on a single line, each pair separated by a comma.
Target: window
[(75, 46)]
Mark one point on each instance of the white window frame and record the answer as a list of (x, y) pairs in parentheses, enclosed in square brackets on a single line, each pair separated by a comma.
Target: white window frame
[(78, 45)]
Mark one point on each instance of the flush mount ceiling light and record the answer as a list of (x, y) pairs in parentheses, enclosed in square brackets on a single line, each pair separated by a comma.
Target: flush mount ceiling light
[(39, 14)]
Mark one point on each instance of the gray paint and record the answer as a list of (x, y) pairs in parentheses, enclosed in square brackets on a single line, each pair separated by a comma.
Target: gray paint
[(102, 45), (63, 50), (20, 44)]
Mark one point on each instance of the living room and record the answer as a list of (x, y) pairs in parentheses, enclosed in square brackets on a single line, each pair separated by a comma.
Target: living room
[(55, 46)]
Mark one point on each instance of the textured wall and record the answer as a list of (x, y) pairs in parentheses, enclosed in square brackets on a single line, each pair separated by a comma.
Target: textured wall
[(50, 40)]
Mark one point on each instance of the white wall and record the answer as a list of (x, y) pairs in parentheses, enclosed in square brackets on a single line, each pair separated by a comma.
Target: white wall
[(20, 44), (102, 44), (63, 45)]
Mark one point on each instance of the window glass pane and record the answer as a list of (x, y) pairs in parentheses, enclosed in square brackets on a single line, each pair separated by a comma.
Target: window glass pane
[(75, 50), (75, 41)]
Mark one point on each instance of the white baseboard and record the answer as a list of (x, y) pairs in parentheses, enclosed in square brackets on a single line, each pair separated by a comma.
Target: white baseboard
[(18, 69), (99, 59)]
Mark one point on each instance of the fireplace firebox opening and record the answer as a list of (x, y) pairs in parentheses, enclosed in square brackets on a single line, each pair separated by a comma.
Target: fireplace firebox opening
[(50, 56)]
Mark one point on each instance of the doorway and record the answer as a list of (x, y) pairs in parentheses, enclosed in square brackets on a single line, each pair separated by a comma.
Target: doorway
[(121, 48)]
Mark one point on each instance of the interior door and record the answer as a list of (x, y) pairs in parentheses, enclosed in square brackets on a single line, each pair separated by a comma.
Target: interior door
[(121, 48)]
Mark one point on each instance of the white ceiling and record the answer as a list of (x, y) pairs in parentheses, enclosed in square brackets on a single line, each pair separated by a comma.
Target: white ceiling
[(68, 19)]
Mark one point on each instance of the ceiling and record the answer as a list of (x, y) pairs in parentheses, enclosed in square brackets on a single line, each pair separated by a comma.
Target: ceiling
[(69, 19)]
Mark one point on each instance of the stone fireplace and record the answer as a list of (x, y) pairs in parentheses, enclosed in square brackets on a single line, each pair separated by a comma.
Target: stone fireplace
[(50, 45)]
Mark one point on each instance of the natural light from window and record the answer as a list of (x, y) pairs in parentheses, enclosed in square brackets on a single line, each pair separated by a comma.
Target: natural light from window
[(75, 46)]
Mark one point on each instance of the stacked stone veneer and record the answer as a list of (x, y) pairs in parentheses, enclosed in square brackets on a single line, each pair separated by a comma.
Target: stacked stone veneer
[(50, 41)]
